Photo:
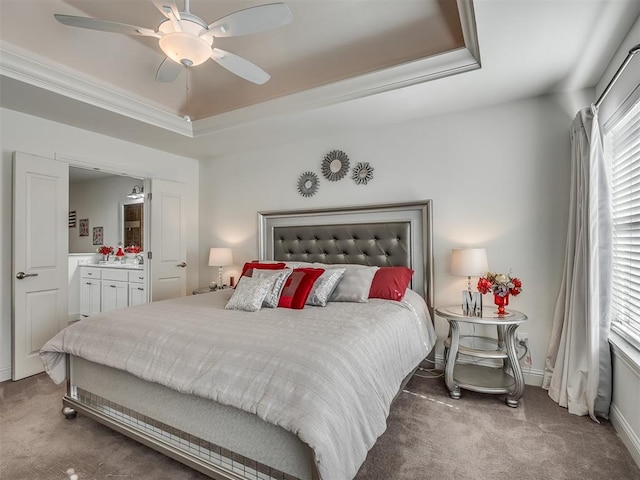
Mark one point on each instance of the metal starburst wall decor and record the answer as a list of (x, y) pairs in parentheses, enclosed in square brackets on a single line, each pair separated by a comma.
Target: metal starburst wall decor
[(362, 173)]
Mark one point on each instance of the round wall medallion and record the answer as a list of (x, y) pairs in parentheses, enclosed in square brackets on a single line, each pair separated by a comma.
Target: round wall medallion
[(335, 165), (308, 184), (362, 173)]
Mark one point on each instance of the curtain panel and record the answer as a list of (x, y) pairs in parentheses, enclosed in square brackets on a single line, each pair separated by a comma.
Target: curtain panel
[(578, 363)]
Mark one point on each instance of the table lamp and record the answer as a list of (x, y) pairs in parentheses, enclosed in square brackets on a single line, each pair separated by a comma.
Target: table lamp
[(470, 262), (219, 257)]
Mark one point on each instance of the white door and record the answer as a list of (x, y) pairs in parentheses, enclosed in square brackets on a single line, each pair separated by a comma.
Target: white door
[(168, 240), (40, 247)]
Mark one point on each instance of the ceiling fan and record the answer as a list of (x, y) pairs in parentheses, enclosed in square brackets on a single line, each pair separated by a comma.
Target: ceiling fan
[(188, 41)]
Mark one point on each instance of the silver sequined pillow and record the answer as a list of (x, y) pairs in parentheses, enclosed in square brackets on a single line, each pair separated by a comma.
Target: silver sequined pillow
[(324, 286), (277, 279), (249, 294)]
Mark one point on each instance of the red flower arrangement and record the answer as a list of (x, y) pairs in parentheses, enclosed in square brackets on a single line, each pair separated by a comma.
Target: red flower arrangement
[(499, 284), (105, 250), (132, 249)]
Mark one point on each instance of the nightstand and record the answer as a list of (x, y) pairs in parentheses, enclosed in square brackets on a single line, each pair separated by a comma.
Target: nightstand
[(198, 291), (507, 380)]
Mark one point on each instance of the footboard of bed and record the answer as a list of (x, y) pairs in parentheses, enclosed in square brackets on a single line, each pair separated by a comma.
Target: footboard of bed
[(167, 431)]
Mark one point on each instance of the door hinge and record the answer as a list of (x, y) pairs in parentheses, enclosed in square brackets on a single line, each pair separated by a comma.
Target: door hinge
[(149, 255), (149, 196)]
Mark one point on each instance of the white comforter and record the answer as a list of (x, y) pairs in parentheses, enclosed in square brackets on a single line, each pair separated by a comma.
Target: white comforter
[(326, 374)]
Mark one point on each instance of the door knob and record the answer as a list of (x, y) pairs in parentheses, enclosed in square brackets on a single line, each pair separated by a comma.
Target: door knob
[(21, 275), (183, 264)]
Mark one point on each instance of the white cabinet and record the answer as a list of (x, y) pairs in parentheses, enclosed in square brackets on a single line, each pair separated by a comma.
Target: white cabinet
[(137, 290), (107, 288), (90, 286), (115, 289)]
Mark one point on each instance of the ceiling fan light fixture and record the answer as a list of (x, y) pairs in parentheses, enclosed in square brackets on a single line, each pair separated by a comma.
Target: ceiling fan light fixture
[(185, 48)]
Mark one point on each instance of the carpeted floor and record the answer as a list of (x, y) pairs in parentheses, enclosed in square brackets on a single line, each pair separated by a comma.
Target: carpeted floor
[(429, 436)]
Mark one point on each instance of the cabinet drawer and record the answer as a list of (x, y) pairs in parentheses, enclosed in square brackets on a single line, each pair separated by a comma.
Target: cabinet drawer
[(91, 272), (136, 277), (113, 274)]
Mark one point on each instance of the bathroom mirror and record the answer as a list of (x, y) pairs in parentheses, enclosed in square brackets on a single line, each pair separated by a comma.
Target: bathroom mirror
[(132, 224)]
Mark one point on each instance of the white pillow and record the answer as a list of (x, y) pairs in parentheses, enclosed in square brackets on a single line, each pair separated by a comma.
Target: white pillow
[(324, 286), (277, 278), (355, 284), (249, 294)]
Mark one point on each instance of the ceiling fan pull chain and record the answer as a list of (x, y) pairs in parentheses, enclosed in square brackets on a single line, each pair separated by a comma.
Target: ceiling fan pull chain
[(187, 118)]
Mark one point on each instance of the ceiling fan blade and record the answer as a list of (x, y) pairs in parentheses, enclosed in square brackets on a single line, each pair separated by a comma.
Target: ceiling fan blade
[(251, 20), (240, 66), (104, 25), (168, 71), (167, 7)]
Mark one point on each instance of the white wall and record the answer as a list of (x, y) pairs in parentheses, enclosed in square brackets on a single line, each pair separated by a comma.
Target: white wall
[(100, 201), (498, 177), (49, 139)]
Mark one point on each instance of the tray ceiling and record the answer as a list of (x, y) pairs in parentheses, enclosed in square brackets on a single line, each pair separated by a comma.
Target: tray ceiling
[(331, 51)]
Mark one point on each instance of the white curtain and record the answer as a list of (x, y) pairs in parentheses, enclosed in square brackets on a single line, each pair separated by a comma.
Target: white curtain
[(578, 364)]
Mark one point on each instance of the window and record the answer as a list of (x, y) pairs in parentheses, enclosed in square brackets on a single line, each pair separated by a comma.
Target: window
[(622, 150)]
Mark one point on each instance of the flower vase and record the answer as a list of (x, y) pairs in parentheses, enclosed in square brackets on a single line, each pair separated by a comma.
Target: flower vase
[(501, 302)]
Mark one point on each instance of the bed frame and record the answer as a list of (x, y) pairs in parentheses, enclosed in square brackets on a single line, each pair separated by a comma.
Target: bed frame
[(221, 441)]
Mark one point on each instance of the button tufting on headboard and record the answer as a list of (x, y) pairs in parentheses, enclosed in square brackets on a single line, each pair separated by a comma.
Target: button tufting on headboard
[(377, 244)]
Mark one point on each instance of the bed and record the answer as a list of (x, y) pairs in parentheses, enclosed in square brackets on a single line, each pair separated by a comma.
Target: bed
[(314, 416)]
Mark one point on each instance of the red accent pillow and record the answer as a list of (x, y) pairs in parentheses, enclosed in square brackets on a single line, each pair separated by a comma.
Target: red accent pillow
[(298, 287), (390, 283), (247, 269)]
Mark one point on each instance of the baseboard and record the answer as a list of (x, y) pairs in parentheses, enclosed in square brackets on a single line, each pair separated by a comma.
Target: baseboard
[(531, 376), (74, 317), (626, 433), (5, 374)]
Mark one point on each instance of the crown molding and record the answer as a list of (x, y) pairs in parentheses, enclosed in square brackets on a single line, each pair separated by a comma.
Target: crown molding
[(34, 70), (438, 66)]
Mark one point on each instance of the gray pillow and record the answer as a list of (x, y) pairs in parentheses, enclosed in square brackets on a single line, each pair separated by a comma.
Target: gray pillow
[(249, 294), (355, 284), (324, 286), (277, 279)]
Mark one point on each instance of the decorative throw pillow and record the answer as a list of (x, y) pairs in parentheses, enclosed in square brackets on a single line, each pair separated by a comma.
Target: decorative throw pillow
[(249, 294), (324, 286), (355, 284), (390, 283), (298, 286), (247, 269), (277, 279)]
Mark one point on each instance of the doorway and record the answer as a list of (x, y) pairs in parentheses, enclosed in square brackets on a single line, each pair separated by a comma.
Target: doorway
[(106, 212)]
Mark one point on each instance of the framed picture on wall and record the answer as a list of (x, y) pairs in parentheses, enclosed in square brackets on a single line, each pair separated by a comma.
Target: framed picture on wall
[(73, 219), (84, 227), (98, 236)]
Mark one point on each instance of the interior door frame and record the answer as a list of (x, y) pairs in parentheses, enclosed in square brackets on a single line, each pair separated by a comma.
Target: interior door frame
[(145, 177)]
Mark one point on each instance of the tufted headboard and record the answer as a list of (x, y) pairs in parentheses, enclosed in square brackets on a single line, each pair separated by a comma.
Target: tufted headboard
[(381, 235)]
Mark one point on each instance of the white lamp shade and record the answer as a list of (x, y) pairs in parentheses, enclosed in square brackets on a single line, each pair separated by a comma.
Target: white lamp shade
[(220, 257), (469, 262)]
